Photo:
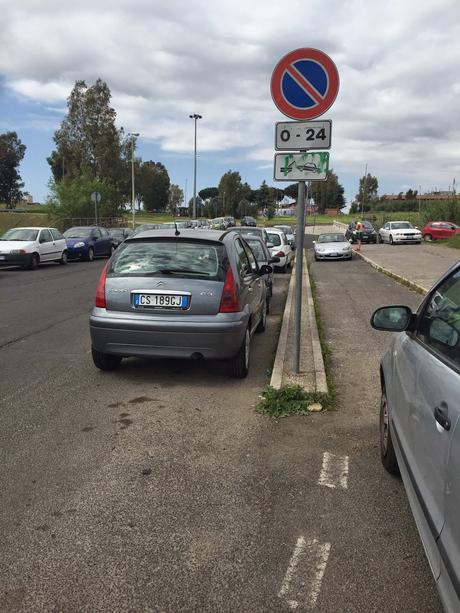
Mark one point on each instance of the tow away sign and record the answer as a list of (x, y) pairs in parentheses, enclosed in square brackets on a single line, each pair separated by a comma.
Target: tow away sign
[(301, 166)]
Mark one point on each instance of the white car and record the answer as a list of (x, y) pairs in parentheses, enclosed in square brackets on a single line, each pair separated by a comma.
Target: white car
[(290, 234), (399, 232), (280, 249), (28, 247)]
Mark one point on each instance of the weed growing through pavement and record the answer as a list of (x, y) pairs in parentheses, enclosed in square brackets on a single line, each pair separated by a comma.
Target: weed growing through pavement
[(289, 400)]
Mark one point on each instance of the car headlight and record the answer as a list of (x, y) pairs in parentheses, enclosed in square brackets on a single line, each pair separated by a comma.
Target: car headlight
[(347, 248), (17, 252), (80, 244)]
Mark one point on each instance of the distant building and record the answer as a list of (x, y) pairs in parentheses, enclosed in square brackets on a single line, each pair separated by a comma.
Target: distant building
[(435, 195), (27, 198)]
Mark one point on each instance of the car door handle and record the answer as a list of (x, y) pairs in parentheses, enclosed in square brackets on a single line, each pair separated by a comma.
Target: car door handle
[(250, 289), (441, 416)]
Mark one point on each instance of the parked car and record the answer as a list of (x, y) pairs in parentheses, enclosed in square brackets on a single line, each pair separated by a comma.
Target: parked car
[(119, 234), (248, 230), (420, 421), (281, 249), (218, 223), (437, 230), (290, 234), (332, 246), (263, 257), (368, 234), (88, 242), (399, 232), (29, 247), (195, 295), (230, 222), (145, 226), (247, 220)]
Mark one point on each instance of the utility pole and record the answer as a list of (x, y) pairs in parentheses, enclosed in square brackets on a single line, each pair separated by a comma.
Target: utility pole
[(195, 117), (364, 191), (133, 194)]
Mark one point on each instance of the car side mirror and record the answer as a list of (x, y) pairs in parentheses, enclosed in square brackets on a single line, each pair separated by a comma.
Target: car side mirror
[(274, 260), (265, 269), (392, 318)]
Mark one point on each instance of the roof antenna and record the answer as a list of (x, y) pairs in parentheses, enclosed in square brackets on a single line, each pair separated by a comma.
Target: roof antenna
[(176, 233)]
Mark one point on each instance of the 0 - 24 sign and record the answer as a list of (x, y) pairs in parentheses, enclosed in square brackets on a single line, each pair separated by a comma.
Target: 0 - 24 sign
[(292, 135)]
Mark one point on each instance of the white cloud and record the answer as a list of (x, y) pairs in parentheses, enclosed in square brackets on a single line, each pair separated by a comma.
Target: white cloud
[(398, 64)]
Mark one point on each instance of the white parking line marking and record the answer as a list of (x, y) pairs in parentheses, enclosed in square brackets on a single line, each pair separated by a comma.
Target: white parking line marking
[(334, 472), (303, 579)]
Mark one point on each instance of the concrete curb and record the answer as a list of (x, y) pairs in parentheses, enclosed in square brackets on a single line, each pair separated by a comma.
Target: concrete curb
[(407, 282), (278, 367), (320, 371), (276, 380)]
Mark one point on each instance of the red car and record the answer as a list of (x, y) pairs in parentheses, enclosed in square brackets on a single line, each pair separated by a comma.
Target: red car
[(435, 230)]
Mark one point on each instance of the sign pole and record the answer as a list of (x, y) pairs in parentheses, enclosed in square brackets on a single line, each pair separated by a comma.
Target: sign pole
[(300, 237)]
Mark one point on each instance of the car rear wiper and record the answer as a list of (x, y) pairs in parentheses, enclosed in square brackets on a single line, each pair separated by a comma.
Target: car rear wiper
[(174, 271)]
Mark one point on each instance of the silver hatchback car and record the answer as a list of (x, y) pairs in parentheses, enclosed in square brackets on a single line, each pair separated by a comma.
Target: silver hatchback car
[(179, 294), (420, 422)]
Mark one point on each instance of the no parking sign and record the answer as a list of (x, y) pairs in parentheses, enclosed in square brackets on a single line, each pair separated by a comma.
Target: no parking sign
[(304, 83)]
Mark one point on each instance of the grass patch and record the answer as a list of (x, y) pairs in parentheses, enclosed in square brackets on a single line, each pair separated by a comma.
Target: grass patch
[(289, 400), (21, 220), (453, 242)]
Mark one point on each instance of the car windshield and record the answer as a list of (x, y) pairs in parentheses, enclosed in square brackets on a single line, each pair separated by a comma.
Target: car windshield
[(257, 248), (367, 225), (166, 257), (20, 234), (78, 233), (275, 239), (401, 225), (331, 238)]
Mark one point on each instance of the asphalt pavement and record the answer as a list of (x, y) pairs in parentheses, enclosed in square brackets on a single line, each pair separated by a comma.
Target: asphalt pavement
[(158, 488)]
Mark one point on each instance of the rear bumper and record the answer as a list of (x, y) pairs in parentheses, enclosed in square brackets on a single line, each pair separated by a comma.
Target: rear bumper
[(120, 334), (15, 260)]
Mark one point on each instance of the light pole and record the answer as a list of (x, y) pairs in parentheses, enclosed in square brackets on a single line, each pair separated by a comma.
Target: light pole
[(133, 135), (195, 117)]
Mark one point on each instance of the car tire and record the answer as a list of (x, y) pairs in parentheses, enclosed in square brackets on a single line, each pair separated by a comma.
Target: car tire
[(90, 256), (239, 365), (391, 240), (105, 361), (63, 259), (263, 320), (379, 239), (283, 269), (34, 261), (427, 238), (387, 452)]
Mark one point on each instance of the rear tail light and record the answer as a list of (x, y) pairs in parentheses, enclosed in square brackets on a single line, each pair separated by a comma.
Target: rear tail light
[(100, 291), (229, 302), (280, 254)]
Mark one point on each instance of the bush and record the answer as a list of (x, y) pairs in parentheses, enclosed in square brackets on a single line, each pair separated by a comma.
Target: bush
[(449, 210)]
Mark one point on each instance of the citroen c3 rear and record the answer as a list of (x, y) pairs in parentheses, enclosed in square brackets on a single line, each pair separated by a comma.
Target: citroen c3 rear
[(168, 295)]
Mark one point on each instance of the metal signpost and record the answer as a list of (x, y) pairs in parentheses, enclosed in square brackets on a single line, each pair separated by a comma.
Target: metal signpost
[(304, 85), (95, 197)]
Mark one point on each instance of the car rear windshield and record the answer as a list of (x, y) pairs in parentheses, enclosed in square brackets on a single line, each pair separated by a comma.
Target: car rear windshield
[(401, 225), (275, 239), (258, 250), (20, 234), (78, 232), (169, 257), (331, 238)]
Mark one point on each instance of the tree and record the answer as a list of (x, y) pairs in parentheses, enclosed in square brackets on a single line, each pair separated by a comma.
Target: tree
[(88, 144), (208, 192), (154, 186), (263, 196), (11, 153), (232, 190), (199, 204), (327, 194), (175, 198), (246, 208), (368, 186), (291, 190)]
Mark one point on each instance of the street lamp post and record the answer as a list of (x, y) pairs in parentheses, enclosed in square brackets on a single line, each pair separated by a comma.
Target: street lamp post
[(195, 117), (133, 194)]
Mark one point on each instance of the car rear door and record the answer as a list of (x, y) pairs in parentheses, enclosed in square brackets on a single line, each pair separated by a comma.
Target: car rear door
[(249, 282)]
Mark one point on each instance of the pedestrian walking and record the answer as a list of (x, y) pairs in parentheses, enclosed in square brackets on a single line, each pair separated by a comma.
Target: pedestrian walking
[(358, 234)]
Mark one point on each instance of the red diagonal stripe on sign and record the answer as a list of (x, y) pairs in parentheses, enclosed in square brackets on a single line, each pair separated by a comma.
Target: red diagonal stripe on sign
[(304, 84)]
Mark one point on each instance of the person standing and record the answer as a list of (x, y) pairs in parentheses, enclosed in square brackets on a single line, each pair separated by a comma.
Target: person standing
[(358, 234)]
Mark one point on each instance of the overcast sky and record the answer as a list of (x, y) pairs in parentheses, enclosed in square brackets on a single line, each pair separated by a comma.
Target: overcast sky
[(397, 109)]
